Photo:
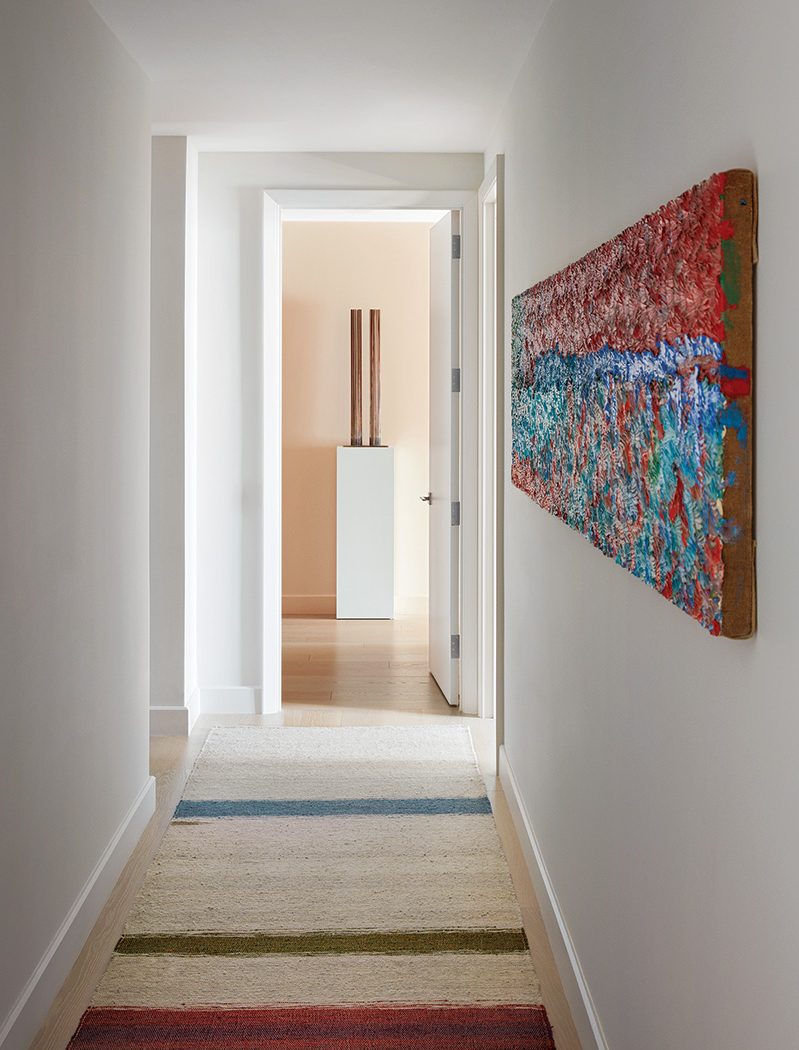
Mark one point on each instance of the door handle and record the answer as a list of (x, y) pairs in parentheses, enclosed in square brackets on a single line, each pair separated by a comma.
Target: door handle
[(427, 499)]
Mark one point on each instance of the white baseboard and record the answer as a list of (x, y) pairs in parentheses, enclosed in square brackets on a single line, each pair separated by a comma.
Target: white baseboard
[(28, 1013), (325, 605), (175, 721), (579, 998), (231, 700), (309, 605)]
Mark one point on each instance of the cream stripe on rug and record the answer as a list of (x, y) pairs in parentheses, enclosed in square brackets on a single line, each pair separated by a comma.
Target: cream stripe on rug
[(306, 763), (327, 979), (328, 873)]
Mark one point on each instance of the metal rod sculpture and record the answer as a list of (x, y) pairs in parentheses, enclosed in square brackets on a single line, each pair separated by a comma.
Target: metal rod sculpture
[(374, 377), (356, 414)]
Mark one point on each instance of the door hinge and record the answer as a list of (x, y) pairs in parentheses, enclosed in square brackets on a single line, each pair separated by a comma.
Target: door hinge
[(455, 515), (455, 646), (456, 380), (456, 246)]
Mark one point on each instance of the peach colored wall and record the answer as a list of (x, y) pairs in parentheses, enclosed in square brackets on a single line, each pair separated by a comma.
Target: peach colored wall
[(327, 269)]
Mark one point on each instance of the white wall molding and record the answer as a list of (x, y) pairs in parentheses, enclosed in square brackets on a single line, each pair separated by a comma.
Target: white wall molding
[(30, 1009), (309, 605), (231, 700), (193, 706), (574, 983)]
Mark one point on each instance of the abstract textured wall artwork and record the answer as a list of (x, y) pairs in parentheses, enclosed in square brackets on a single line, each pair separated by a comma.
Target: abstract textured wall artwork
[(632, 399)]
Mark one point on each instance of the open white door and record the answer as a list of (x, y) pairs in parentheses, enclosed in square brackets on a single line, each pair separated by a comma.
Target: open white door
[(444, 641)]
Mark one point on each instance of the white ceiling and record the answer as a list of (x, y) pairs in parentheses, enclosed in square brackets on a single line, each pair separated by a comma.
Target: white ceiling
[(329, 74)]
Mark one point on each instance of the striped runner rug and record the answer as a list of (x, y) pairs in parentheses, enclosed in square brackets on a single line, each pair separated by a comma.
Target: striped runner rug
[(330, 888)]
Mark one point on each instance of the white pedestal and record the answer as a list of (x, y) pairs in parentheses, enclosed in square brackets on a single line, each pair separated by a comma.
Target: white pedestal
[(365, 533)]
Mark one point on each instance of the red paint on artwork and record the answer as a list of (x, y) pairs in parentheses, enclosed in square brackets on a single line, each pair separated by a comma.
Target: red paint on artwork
[(736, 387), (656, 282)]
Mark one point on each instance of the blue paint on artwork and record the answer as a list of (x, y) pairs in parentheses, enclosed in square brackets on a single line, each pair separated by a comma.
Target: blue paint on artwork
[(731, 417), (728, 372), (628, 448)]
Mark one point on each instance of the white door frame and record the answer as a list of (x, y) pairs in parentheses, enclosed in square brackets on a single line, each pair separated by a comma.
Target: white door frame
[(274, 201), (491, 439), (272, 509)]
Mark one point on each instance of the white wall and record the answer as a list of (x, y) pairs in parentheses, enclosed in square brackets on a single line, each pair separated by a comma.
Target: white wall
[(230, 429), (659, 765), (74, 389)]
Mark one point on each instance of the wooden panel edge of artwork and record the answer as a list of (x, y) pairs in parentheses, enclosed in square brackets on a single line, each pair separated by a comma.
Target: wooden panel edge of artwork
[(738, 597)]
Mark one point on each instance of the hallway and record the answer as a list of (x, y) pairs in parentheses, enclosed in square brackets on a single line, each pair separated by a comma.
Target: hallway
[(336, 673), (620, 178)]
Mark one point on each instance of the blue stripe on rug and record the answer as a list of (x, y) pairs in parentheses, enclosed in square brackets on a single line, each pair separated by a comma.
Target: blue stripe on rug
[(337, 807)]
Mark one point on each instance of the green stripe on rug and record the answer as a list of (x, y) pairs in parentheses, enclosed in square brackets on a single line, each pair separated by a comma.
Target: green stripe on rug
[(392, 942)]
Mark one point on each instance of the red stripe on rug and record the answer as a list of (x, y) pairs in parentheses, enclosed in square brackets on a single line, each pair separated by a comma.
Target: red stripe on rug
[(317, 1028)]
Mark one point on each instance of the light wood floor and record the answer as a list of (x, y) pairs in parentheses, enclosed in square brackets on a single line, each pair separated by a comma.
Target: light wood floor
[(335, 672)]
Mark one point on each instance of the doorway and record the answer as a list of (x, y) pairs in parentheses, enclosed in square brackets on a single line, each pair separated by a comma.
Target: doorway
[(334, 260), (275, 204)]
